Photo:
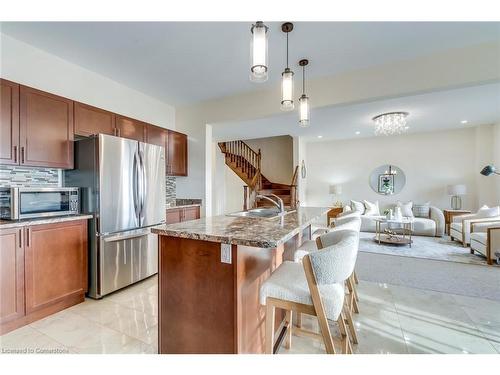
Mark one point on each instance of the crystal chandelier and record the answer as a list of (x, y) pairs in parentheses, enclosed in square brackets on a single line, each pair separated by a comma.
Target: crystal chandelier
[(392, 123)]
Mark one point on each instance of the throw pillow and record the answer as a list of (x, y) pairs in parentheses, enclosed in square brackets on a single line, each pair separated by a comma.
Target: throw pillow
[(358, 206), (485, 212), (422, 210), (406, 208), (372, 209)]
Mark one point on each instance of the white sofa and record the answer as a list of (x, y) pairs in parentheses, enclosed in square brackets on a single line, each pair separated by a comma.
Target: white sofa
[(433, 226), (485, 239), (460, 227)]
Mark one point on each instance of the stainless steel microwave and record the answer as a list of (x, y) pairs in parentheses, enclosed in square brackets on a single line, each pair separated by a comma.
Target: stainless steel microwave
[(18, 203)]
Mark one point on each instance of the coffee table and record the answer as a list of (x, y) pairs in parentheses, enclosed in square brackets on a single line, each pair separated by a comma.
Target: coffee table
[(403, 238)]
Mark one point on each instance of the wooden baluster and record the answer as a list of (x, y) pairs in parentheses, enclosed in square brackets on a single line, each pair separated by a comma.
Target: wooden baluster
[(245, 198)]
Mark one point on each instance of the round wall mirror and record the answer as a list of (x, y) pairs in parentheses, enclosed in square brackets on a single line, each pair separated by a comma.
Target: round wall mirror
[(387, 180)]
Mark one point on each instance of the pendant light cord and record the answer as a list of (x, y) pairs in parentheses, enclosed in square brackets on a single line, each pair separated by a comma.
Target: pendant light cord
[(287, 50), (303, 80)]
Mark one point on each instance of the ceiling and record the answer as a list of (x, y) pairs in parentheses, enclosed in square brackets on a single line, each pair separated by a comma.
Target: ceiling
[(185, 62), (440, 110)]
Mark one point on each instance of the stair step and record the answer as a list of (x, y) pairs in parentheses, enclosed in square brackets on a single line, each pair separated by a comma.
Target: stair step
[(275, 191)]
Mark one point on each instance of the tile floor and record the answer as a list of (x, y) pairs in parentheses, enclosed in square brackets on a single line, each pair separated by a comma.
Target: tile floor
[(393, 319)]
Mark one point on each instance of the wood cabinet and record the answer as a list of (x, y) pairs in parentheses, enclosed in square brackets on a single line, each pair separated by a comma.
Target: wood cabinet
[(156, 135), (11, 275), (91, 120), (9, 122), (179, 214), (130, 128), (45, 129), (43, 271), (177, 156)]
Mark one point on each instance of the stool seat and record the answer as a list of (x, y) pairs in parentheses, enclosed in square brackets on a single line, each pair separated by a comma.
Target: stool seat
[(289, 283)]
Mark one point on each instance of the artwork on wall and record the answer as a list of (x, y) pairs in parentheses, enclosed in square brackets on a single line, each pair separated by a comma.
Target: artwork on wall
[(386, 184)]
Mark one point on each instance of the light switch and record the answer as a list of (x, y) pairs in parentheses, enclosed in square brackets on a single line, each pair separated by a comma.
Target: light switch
[(225, 253)]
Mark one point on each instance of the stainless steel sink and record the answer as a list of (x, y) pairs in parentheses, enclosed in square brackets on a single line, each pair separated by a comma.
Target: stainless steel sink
[(267, 213)]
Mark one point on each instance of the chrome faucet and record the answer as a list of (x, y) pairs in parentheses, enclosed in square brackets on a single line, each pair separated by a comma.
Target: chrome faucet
[(278, 203)]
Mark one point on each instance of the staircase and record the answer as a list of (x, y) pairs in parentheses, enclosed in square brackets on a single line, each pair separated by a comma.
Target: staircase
[(246, 163)]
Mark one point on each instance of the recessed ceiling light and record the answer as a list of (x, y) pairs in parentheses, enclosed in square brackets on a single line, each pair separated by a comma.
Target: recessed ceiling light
[(358, 133), (320, 136), (464, 121)]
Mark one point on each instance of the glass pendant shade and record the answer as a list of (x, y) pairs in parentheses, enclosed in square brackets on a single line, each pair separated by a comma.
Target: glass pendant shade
[(304, 111), (258, 71), (287, 90)]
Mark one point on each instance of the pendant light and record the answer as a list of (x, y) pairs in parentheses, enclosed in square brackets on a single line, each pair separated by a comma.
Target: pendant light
[(287, 76), (259, 52), (304, 99)]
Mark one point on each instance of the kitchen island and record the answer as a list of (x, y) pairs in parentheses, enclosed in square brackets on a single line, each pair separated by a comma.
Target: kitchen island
[(210, 272)]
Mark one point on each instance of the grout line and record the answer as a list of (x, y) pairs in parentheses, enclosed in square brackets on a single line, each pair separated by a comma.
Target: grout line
[(403, 336)]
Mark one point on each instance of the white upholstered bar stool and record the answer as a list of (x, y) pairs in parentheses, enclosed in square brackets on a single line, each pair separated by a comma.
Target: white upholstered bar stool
[(314, 287), (339, 220)]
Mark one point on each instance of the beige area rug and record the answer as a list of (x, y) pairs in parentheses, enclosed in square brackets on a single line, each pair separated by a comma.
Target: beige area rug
[(424, 247)]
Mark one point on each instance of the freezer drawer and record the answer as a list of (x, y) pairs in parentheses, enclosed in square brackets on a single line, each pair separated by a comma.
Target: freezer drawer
[(126, 258)]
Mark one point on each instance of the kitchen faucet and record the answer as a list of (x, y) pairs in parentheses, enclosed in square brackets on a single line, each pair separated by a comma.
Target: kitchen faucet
[(278, 204)]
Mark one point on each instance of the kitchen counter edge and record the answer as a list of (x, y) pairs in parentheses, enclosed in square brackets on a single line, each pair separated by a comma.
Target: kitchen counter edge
[(8, 224)]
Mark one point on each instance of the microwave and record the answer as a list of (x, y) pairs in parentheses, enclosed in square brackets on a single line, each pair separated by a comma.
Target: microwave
[(17, 203)]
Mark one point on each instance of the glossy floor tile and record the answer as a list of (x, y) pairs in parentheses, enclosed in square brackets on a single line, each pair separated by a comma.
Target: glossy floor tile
[(392, 319)]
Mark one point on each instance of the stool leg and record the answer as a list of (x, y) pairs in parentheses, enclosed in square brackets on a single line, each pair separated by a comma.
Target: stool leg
[(346, 341), (350, 325), (270, 311), (356, 280), (289, 320)]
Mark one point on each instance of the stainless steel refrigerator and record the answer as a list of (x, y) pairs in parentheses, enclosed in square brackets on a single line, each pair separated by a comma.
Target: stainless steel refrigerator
[(122, 184)]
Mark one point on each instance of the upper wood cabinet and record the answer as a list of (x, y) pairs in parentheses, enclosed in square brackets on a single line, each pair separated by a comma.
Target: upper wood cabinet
[(11, 275), (46, 129), (130, 128), (177, 157), (91, 120), (156, 135), (9, 122)]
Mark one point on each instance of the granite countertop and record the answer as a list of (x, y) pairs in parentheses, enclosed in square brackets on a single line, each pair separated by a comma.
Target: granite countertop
[(183, 206), (7, 224), (256, 232)]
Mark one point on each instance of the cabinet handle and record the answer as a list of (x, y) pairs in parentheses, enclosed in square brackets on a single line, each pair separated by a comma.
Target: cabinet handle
[(22, 155), (20, 238), (28, 235), (15, 154)]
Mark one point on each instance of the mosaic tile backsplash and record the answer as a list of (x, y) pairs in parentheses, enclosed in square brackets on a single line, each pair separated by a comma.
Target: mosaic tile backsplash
[(27, 176), (170, 190)]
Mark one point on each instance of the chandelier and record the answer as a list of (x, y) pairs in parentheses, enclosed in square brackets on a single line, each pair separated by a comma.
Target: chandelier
[(391, 123)]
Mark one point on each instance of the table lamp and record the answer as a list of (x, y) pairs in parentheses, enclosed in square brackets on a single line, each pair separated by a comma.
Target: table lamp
[(456, 191)]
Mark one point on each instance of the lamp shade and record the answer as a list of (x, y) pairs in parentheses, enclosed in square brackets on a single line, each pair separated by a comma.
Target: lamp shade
[(457, 189), (335, 189)]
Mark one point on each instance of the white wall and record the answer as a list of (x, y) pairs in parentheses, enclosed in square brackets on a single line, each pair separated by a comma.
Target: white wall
[(23, 63), (430, 162)]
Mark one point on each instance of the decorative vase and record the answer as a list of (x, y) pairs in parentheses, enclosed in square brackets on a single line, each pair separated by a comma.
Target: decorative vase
[(398, 214), (390, 215)]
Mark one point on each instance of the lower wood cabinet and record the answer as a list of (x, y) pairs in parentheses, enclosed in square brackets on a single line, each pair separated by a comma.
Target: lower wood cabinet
[(179, 214), (11, 275), (43, 270)]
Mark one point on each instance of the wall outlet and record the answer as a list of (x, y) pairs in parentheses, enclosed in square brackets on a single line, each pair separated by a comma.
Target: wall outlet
[(225, 253)]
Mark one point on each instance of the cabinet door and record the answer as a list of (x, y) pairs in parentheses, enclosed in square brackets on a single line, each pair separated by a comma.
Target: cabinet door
[(156, 135), (90, 120), (46, 129), (174, 215), (56, 263), (9, 122), (11, 274), (191, 213), (177, 154), (130, 128)]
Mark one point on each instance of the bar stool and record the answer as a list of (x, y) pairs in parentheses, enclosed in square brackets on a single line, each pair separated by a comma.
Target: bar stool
[(315, 287)]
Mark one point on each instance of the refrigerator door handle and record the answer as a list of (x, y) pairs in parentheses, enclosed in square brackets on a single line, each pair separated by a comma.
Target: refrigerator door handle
[(143, 184), (135, 186)]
